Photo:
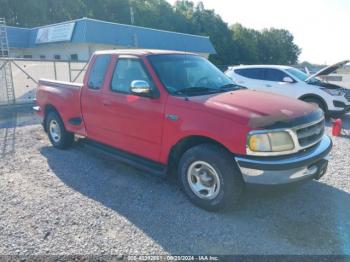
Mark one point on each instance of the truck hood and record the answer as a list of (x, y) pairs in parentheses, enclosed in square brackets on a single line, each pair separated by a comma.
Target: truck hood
[(328, 70), (258, 109)]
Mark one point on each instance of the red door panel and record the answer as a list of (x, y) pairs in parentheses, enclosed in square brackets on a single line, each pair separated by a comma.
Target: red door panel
[(131, 123), (134, 123)]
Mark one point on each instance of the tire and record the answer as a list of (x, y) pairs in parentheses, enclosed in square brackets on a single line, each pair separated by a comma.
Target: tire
[(217, 170), (58, 135), (318, 102)]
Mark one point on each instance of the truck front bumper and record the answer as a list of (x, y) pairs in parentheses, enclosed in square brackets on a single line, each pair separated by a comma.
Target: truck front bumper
[(308, 164)]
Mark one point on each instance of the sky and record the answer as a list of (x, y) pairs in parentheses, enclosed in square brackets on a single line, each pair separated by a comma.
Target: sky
[(321, 28)]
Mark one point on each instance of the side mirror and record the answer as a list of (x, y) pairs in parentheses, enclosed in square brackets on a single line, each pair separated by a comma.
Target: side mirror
[(141, 88), (288, 79)]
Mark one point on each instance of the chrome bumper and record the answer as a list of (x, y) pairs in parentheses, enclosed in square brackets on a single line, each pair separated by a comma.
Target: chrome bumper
[(310, 163)]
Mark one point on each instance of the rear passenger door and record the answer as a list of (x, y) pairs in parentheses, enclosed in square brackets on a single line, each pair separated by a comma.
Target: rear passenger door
[(273, 82), (91, 96), (251, 78)]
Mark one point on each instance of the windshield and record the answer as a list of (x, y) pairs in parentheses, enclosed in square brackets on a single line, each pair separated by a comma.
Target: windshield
[(301, 75), (184, 74)]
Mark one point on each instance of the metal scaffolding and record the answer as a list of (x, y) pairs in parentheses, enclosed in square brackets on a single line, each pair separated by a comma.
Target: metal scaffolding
[(6, 79)]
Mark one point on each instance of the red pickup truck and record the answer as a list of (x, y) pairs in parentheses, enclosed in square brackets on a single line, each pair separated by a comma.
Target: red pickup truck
[(172, 112)]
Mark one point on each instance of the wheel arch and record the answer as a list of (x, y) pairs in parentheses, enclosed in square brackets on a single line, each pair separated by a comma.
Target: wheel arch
[(47, 109), (183, 145), (314, 96)]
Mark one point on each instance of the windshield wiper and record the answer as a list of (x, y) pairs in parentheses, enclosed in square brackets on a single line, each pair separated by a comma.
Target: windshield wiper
[(201, 89), (231, 86), (194, 89)]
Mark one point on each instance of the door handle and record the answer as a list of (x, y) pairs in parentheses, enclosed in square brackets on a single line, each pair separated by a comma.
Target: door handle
[(268, 85), (107, 103)]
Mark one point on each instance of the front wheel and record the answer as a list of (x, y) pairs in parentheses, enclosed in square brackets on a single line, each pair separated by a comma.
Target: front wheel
[(210, 177), (58, 135)]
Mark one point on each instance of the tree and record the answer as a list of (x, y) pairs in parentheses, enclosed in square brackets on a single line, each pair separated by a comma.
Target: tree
[(28, 13), (234, 45), (276, 46), (270, 46), (63, 10), (246, 41), (208, 23)]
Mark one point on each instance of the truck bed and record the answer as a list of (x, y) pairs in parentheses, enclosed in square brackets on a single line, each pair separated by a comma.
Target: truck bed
[(58, 84), (65, 98)]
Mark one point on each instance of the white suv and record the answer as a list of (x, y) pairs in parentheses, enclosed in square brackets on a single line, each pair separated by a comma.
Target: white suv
[(289, 81)]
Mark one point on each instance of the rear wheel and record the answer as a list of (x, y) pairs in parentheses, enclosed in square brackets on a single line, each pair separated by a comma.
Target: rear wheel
[(58, 135), (210, 177)]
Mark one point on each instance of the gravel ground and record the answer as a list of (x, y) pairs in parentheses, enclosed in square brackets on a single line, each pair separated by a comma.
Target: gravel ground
[(82, 202)]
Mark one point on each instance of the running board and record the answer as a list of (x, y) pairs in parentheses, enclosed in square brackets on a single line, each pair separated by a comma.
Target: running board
[(128, 158)]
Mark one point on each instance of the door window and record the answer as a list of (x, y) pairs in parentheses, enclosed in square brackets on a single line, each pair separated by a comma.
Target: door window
[(275, 75), (126, 71), (253, 73), (98, 71)]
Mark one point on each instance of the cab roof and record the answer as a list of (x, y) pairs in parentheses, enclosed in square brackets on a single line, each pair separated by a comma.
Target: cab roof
[(260, 66), (140, 52)]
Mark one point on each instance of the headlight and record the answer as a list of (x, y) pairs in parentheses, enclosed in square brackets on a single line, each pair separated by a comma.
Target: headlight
[(270, 142), (333, 92)]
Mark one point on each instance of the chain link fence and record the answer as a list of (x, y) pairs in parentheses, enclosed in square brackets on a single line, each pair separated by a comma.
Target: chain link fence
[(26, 74), (3, 93)]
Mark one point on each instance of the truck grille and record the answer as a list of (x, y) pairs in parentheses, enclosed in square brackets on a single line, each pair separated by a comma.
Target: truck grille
[(311, 134)]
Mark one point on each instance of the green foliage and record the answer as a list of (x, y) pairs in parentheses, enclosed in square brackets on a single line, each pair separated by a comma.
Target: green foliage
[(29, 13), (276, 46), (234, 45), (270, 46), (247, 44)]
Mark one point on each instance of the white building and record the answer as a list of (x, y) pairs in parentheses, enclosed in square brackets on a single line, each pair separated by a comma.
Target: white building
[(78, 39)]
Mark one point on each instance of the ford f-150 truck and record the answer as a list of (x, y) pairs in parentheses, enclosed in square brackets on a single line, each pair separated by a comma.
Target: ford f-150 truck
[(166, 111)]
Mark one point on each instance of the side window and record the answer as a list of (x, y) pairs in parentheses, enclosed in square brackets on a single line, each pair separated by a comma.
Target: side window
[(98, 71), (253, 73), (126, 71), (274, 75)]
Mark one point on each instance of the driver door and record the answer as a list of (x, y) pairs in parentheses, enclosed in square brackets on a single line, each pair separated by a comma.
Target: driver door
[(133, 122)]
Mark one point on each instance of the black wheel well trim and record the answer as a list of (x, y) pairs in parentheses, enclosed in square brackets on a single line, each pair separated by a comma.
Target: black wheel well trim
[(183, 145), (314, 96)]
